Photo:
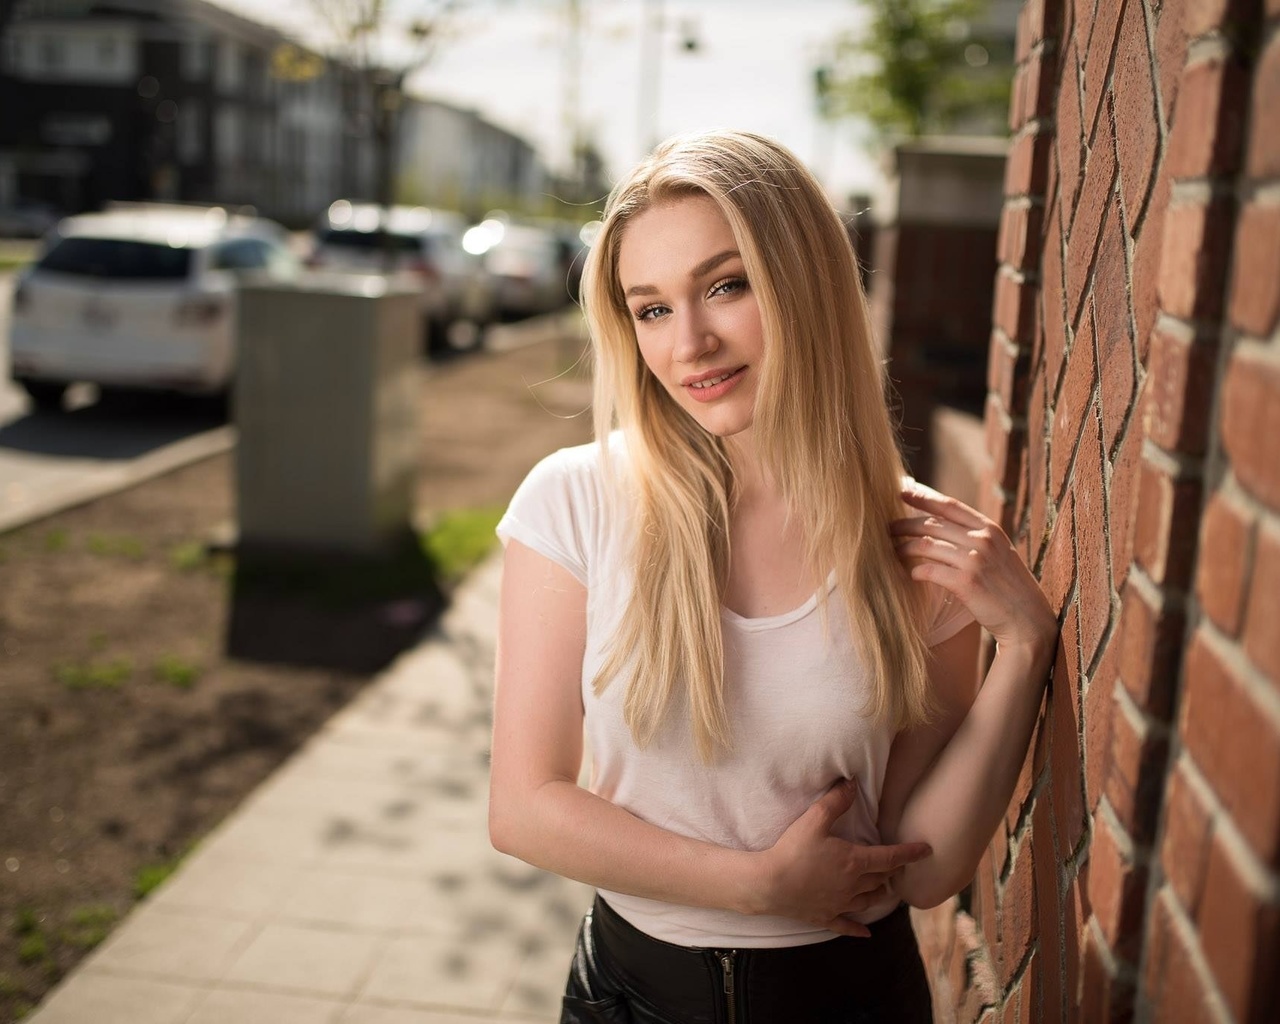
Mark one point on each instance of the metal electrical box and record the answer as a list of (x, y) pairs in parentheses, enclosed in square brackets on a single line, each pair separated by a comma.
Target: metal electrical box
[(326, 400)]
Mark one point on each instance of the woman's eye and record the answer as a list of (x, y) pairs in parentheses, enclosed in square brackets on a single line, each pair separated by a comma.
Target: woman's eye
[(649, 312), (728, 286)]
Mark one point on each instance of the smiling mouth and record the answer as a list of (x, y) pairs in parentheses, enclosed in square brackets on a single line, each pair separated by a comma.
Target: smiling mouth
[(713, 381)]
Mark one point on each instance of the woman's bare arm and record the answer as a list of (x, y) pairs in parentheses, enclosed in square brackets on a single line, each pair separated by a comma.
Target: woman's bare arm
[(537, 811), (949, 783)]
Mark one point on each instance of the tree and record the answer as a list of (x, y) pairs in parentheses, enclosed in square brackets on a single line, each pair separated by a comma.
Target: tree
[(919, 66), (380, 48)]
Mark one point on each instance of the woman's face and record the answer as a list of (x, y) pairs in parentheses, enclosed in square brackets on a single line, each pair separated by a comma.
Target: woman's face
[(696, 318)]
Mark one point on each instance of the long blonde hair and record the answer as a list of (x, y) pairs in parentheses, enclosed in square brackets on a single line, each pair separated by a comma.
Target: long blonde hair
[(821, 425)]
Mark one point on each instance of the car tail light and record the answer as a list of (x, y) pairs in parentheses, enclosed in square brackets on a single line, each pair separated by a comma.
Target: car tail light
[(201, 310)]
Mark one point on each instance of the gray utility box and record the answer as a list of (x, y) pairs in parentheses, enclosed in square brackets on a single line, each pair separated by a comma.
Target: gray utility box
[(326, 401)]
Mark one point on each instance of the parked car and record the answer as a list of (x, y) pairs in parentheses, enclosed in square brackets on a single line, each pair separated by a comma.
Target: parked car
[(142, 297), (419, 246), (528, 266)]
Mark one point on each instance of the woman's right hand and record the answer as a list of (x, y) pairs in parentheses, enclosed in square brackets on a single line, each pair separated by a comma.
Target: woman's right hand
[(816, 877)]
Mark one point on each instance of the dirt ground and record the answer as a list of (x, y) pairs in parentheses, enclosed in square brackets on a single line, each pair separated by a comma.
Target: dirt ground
[(131, 723)]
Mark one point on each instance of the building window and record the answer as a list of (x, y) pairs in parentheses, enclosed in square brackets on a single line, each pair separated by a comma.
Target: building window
[(108, 49), (53, 53), (228, 135), (194, 59), (191, 132), (230, 67)]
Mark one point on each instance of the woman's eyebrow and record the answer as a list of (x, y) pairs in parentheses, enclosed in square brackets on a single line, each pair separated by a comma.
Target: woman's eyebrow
[(705, 267)]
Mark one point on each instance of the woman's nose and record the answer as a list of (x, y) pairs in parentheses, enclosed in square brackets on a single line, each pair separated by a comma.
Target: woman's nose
[(695, 338)]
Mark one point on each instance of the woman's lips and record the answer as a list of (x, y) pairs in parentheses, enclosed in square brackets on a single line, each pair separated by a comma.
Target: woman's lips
[(705, 391)]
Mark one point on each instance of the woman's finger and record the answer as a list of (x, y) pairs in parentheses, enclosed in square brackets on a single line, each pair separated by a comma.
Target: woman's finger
[(939, 504)]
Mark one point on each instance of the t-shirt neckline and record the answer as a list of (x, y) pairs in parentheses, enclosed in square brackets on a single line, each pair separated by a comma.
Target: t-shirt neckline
[(755, 624)]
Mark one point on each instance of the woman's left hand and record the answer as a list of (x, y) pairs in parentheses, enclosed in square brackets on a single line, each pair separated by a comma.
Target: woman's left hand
[(968, 555)]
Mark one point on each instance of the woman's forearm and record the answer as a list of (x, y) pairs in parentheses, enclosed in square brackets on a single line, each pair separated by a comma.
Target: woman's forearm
[(958, 803), (563, 828)]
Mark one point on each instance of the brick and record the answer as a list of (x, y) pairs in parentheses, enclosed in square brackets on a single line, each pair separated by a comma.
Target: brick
[(1235, 744), (1066, 782), (1104, 998), (1206, 136), (1052, 298), (1226, 552), (1116, 358), (1165, 531), (1004, 445), (1008, 370), (1015, 306), (1096, 195), (1178, 992), (1207, 15), (1261, 635), (1038, 82), (1018, 910), (1251, 423), (1047, 855), (1263, 159), (1195, 253), (1180, 385), (1171, 55), (1097, 60), (1099, 706), (1146, 265), (1122, 507), (1255, 287), (1069, 140), (1027, 166), (1093, 555), (1150, 644), (1240, 936), (1076, 910), (1184, 847), (1116, 889), (1139, 750), (1082, 18), (1134, 103), (1037, 472), (1019, 241), (1072, 409), (985, 907), (1059, 567)]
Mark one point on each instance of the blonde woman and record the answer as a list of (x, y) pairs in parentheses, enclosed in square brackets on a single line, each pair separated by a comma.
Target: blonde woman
[(768, 632)]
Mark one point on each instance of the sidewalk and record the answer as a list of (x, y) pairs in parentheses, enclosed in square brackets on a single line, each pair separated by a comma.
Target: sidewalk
[(357, 884)]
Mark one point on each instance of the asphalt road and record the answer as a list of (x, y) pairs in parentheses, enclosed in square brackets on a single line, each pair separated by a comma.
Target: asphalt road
[(50, 461)]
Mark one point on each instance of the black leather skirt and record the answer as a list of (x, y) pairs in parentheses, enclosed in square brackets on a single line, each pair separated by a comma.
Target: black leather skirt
[(620, 975)]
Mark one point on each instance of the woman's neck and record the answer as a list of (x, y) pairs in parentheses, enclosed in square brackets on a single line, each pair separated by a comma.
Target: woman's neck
[(753, 484)]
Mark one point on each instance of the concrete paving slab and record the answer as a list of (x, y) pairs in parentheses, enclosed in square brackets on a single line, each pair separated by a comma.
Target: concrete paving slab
[(174, 944), (245, 1006), (354, 899), (438, 972), (307, 958), (228, 887), (108, 999), (365, 1013)]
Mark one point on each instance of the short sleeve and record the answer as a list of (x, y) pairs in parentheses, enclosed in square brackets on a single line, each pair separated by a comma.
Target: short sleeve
[(946, 616), (550, 513)]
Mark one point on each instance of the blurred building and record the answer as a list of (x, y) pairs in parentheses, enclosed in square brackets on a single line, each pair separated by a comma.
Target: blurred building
[(184, 100), (454, 158)]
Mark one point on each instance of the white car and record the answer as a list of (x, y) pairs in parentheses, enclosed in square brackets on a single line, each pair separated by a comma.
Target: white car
[(140, 297), (420, 247)]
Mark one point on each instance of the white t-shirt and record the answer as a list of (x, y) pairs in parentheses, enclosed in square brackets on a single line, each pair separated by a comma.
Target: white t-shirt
[(795, 694)]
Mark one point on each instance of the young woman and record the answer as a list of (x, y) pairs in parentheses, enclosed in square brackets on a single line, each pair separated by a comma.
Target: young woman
[(767, 630)]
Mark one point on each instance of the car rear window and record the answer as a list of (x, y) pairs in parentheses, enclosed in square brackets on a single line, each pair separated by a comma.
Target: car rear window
[(117, 258), (370, 241)]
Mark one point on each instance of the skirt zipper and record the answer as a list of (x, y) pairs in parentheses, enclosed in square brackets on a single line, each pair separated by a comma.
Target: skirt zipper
[(730, 999)]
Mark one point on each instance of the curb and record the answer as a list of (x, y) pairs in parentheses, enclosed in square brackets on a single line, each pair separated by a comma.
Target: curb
[(112, 480)]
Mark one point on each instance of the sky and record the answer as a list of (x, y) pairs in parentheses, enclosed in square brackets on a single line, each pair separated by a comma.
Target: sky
[(752, 68)]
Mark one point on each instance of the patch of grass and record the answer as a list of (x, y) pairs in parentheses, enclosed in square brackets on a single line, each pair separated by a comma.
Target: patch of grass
[(56, 540), (4, 554), (26, 921), (9, 987), (458, 541), (175, 671), (94, 675), (8, 263), (116, 547), (33, 948), (97, 640), (89, 925), (188, 556)]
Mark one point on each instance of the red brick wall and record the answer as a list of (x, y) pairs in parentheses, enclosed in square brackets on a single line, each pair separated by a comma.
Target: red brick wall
[(1133, 429)]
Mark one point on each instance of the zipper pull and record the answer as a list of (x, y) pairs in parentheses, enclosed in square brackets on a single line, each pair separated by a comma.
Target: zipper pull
[(726, 964)]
